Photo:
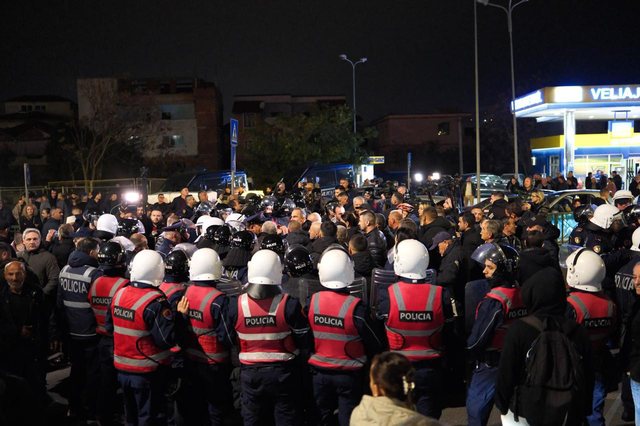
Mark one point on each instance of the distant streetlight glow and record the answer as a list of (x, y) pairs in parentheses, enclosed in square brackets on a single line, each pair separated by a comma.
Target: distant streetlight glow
[(418, 177)]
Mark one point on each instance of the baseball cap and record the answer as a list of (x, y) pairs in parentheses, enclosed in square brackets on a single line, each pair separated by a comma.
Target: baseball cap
[(440, 237)]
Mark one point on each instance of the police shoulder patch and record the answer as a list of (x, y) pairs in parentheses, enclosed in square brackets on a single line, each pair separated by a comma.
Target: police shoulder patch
[(167, 314), (577, 240)]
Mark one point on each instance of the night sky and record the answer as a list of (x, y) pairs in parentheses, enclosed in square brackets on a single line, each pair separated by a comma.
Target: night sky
[(420, 52)]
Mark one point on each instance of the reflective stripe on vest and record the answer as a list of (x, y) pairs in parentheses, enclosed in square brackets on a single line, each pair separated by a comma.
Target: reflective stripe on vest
[(100, 295), (338, 345), (595, 312), (74, 283), (414, 329), (512, 309), (169, 289), (202, 343), (272, 340), (134, 348)]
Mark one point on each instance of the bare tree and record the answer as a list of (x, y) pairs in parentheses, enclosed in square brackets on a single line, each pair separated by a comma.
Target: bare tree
[(110, 121)]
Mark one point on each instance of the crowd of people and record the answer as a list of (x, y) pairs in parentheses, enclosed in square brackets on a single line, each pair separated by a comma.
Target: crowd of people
[(290, 309)]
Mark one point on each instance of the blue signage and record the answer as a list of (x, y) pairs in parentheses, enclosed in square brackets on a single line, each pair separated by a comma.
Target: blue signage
[(234, 132)]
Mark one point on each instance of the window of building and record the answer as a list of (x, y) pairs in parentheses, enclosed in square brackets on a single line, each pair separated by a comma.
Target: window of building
[(249, 119), (177, 141), (444, 129)]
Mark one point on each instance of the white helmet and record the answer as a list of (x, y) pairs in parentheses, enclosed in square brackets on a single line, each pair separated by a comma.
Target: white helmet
[(238, 217), (603, 215), (585, 270), (205, 265), (188, 248), (635, 240), (202, 223), (623, 194), (411, 259), (215, 221), (107, 223), (336, 268), (265, 268), (147, 267)]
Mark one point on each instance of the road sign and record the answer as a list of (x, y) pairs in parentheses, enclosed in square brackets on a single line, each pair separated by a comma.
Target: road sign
[(376, 159), (234, 132)]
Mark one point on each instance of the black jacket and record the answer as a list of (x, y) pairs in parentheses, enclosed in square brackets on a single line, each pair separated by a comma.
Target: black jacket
[(544, 296), (451, 273), (298, 237), (61, 249), (377, 245), (427, 232), (534, 259), (364, 264), (318, 246)]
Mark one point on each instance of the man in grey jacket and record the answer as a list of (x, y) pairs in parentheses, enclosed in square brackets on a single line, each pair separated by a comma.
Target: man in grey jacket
[(41, 262)]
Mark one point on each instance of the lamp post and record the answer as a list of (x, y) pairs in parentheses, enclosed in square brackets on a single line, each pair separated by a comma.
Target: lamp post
[(509, 11), (475, 63), (353, 67)]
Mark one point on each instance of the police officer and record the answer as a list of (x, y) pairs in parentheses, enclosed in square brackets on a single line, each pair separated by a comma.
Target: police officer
[(590, 307), (106, 227), (111, 261), (270, 330), (299, 266), (494, 314), (176, 274), (341, 338), (78, 320), (596, 234), (205, 348), (208, 226), (625, 298), (419, 322), (142, 324), (221, 238), (236, 261)]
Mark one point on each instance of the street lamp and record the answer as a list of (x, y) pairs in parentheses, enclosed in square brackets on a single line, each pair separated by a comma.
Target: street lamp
[(353, 66), (509, 11)]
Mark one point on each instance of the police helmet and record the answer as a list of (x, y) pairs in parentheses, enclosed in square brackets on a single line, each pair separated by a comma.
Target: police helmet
[(147, 267), (298, 261), (111, 253), (274, 243), (283, 207), (505, 257), (336, 268), (91, 215), (604, 215), (411, 259), (631, 214), (243, 240), (582, 214), (330, 208), (268, 203), (264, 268), (127, 227), (585, 270), (176, 263), (221, 236)]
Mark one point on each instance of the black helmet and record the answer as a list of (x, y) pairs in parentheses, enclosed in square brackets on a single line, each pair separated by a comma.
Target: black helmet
[(221, 236), (210, 232), (273, 243), (127, 226), (298, 200), (176, 263), (298, 261), (330, 208), (91, 215), (283, 207), (631, 214), (111, 254), (506, 259), (268, 202), (582, 214), (243, 240)]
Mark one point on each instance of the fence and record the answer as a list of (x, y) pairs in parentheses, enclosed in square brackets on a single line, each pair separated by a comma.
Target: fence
[(565, 223)]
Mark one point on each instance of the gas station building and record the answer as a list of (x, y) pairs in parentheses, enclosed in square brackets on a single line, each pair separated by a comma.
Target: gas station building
[(618, 149)]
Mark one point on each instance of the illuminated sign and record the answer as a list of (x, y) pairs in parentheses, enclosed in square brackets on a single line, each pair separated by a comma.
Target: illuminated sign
[(620, 93), (621, 128), (376, 159), (567, 94), (530, 100)]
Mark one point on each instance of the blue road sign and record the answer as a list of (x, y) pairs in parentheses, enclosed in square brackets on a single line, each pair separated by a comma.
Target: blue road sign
[(234, 132)]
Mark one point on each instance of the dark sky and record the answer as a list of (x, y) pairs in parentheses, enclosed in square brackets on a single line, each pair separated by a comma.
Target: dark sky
[(420, 52)]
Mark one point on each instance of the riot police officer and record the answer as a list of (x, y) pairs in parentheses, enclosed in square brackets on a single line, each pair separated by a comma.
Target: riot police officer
[(80, 323), (207, 365), (590, 307), (111, 261), (342, 339), (419, 321), (501, 306), (221, 238), (142, 324), (236, 261), (596, 234), (176, 274), (270, 330)]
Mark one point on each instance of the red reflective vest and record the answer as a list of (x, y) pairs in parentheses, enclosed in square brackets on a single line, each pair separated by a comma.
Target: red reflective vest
[(169, 289), (416, 318), (100, 295), (596, 312), (263, 333), (201, 341), (338, 345), (134, 350), (512, 309)]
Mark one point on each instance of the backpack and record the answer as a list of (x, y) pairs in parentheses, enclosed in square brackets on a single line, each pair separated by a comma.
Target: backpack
[(555, 383)]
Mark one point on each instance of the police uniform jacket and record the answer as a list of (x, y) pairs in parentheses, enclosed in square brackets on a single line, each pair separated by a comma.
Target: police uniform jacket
[(75, 281)]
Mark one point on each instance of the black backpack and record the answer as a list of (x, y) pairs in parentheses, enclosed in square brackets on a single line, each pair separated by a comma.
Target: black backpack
[(555, 383)]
